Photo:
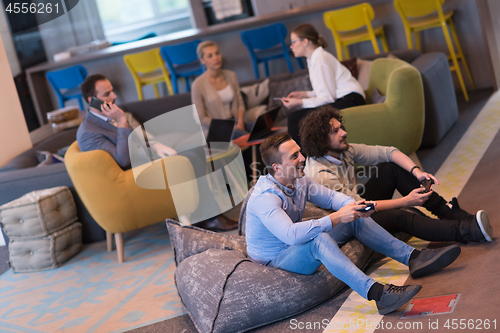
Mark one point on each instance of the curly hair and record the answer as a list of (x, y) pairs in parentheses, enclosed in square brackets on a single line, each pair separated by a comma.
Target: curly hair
[(314, 130)]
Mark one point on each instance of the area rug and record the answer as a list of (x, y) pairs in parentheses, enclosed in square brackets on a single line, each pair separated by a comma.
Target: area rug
[(93, 292)]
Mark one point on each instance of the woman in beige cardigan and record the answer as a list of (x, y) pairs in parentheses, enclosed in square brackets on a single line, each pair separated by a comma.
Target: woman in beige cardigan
[(216, 93)]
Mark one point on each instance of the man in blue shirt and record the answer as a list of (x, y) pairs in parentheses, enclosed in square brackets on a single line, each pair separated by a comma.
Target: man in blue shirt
[(277, 237)]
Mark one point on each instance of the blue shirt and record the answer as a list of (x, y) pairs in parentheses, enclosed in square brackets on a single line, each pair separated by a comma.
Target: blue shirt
[(274, 215)]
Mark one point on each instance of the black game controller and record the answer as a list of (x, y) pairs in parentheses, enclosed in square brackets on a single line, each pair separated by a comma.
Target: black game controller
[(369, 206), (427, 184)]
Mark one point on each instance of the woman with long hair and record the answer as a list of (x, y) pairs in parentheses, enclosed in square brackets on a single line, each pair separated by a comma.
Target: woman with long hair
[(331, 81)]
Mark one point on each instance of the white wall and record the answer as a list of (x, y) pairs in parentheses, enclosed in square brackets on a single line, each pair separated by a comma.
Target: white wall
[(9, 45), (14, 135)]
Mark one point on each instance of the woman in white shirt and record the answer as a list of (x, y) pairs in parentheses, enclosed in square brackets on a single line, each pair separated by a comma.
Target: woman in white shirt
[(216, 93), (331, 81)]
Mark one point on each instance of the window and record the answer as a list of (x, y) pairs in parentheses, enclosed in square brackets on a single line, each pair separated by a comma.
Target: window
[(122, 16)]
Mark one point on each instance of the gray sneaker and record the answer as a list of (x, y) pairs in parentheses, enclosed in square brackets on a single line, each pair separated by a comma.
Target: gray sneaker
[(430, 261), (395, 296), (484, 224)]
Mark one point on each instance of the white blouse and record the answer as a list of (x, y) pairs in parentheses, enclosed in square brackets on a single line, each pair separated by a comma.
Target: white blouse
[(227, 97), (330, 80)]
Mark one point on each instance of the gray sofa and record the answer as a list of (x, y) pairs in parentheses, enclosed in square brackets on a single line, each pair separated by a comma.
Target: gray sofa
[(21, 175)]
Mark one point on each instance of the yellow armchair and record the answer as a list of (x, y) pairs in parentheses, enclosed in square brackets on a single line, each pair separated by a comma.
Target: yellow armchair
[(113, 198), (399, 121)]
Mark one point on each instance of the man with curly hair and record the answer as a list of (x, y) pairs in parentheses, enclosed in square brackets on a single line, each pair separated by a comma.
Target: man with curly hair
[(277, 237), (331, 162)]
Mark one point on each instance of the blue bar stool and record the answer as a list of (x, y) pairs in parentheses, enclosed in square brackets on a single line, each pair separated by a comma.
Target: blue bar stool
[(66, 83), (182, 61), (268, 43)]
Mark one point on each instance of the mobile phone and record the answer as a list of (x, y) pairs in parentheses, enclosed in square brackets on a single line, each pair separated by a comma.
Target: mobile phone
[(96, 103), (277, 98), (369, 206), (427, 184)]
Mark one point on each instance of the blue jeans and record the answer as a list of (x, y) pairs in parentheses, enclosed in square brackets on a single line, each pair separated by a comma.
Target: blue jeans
[(306, 258)]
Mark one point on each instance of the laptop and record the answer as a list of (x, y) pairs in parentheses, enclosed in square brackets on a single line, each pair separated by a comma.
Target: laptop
[(262, 127), (220, 134)]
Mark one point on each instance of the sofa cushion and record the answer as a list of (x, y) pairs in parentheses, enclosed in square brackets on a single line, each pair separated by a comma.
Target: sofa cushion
[(187, 241), (364, 67), (255, 94), (47, 158), (352, 66), (377, 97), (281, 88)]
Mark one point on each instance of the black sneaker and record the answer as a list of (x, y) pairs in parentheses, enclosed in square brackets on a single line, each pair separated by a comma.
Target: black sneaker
[(455, 212), (395, 296), (484, 225), (430, 261)]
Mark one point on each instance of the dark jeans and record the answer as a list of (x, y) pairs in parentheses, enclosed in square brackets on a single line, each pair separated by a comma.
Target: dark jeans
[(349, 100), (381, 186), (423, 227), (388, 178)]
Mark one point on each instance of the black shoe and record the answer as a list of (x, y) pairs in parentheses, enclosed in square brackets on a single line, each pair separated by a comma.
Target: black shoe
[(430, 261), (220, 223), (475, 229), (483, 222), (395, 296), (452, 211)]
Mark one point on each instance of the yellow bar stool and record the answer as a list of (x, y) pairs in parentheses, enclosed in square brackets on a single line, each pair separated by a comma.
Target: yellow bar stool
[(353, 25), (148, 68), (418, 15)]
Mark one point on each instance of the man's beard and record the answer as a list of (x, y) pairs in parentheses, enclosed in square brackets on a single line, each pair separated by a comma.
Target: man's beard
[(339, 151)]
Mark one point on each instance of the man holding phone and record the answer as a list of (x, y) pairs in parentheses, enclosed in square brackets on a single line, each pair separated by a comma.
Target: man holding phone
[(277, 236), (331, 162), (106, 127)]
